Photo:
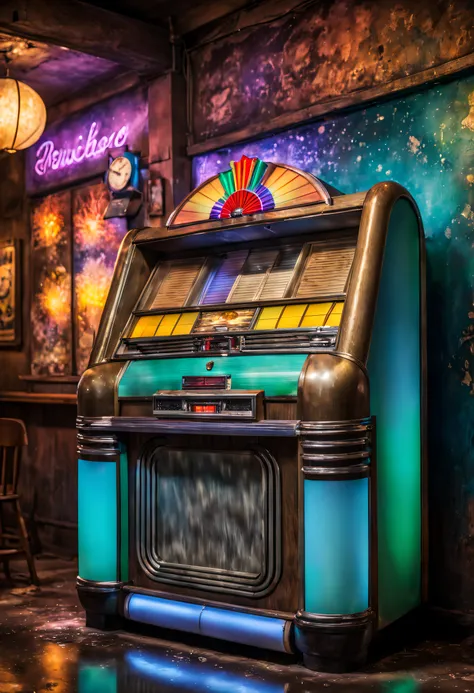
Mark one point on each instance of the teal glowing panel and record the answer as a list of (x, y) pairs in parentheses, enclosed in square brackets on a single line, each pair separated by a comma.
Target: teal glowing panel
[(277, 374), (97, 516), (123, 514), (336, 546), (395, 395)]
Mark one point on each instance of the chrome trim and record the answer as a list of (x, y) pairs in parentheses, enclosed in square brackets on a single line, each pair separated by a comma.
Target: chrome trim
[(147, 424)]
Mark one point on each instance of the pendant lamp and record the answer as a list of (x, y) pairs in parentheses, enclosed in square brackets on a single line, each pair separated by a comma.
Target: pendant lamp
[(22, 115)]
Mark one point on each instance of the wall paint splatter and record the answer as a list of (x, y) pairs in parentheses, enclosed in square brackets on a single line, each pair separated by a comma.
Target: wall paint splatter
[(51, 302), (273, 59), (96, 242), (426, 142)]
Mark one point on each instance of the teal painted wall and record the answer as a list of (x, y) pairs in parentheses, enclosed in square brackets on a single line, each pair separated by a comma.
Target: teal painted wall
[(425, 141)]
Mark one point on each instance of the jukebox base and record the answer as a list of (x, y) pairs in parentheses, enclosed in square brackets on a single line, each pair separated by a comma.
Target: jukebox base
[(334, 644)]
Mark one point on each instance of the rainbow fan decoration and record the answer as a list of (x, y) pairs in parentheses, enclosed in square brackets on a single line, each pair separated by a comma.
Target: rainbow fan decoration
[(250, 186)]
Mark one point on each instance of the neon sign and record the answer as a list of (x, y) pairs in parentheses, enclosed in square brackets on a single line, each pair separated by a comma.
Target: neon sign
[(48, 157), (76, 148)]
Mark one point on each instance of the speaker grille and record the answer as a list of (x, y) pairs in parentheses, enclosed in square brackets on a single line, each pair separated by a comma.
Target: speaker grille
[(209, 519)]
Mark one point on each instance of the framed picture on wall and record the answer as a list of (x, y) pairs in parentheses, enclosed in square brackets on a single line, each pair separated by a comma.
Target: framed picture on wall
[(10, 294), (73, 256)]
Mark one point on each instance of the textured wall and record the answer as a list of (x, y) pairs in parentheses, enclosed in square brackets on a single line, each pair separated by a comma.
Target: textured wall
[(426, 142), (301, 53)]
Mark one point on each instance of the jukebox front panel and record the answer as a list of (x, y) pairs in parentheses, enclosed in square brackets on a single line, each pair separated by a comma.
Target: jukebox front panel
[(288, 298)]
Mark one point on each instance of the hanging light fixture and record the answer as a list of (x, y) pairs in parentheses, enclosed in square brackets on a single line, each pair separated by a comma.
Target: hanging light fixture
[(22, 115)]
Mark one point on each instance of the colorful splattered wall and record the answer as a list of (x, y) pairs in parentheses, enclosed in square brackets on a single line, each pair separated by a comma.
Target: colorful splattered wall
[(96, 243), (51, 304), (426, 142), (73, 256), (271, 60)]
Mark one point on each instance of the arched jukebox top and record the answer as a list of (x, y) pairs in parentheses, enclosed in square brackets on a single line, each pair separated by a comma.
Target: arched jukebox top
[(249, 186), (263, 253)]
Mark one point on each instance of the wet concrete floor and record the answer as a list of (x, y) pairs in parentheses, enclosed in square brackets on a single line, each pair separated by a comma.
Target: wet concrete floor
[(44, 646)]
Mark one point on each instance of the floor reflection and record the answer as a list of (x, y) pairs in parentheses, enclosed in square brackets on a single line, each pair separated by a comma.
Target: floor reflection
[(157, 671), (142, 671), (45, 648), (84, 661)]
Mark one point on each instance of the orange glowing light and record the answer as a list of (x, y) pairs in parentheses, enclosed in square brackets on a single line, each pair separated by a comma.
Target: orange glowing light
[(55, 660), (55, 297), (90, 228), (92, 285), (48, 222), (22, 115)]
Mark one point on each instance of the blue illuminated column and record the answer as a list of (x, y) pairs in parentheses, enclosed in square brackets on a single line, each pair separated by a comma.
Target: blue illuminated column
[(103, 522), (335, 616), (336, 545)]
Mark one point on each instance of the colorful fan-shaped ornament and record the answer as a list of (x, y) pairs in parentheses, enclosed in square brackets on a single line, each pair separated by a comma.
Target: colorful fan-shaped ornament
[(250, 186), (244, 192)]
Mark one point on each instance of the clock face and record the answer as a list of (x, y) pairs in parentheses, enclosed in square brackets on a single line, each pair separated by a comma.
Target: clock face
[(120, 171)]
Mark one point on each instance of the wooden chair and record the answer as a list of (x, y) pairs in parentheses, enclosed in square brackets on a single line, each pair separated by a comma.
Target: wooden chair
[(12, 439)]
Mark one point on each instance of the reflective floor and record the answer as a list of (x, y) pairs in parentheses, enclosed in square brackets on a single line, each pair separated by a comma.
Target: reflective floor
[(44, 646)]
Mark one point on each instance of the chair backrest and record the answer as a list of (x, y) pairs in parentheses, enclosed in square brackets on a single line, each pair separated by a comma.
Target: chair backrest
[(12, 438)]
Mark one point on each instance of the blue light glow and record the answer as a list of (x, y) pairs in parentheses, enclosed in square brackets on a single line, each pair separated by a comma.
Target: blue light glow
[(235, 626), (196, 677), (164, 613), (247, 629)]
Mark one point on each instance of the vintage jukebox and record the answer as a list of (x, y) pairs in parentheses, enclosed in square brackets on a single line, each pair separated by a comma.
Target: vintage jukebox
[(251, 424)]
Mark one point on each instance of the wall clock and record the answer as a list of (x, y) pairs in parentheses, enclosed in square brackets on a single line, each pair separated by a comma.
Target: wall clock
[(123, 181)]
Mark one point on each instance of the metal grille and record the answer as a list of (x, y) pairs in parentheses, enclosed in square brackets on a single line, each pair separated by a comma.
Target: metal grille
[(176, 285), (209, 518), (164, 346), (326, 271), (238, 405), (290, 341)]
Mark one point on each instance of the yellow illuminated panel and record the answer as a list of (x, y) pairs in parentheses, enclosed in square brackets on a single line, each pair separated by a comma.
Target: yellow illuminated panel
[(185, 323), (268, 318), (146, 326), (334, 319), (167, 325), (318, 309), (315, 315), (312, 315), (291, 317)]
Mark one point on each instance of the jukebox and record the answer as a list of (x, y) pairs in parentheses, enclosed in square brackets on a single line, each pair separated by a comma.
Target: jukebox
[(251, 425)]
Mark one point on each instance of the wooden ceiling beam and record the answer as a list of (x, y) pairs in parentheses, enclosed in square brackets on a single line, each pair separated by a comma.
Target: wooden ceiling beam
[(136, 45), (202, 14)]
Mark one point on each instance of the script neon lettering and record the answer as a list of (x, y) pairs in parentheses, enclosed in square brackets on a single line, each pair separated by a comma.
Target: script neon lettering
[(121, 136), (49, 158)]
